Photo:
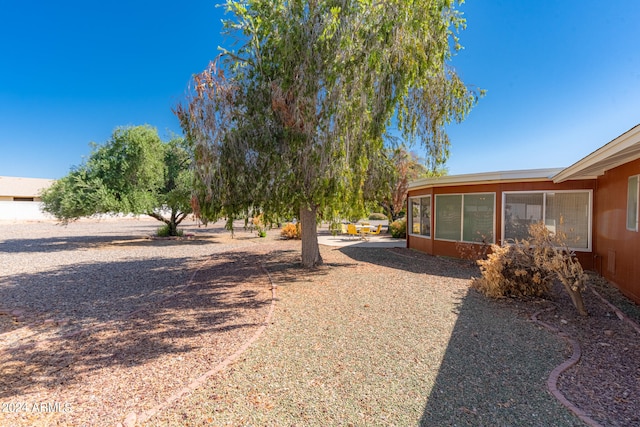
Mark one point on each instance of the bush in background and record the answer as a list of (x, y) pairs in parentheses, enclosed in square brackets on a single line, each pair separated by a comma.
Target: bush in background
[(258, 224), (165, 231), (377, 216), (398, 228), (291, 231)]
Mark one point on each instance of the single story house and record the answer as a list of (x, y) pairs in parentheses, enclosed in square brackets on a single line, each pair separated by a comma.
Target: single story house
[(20, 198), (595, 202)]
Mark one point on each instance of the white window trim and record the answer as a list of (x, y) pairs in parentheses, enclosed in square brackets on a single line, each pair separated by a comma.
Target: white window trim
[(410, 216), (435, 217), (544, 209), (637, 177)]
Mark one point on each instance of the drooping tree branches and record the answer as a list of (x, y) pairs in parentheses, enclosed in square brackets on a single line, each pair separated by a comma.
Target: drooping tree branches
[(288, 123)]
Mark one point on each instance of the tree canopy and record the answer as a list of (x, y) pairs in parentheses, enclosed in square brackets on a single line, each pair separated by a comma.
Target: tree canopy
[(399, 167), (135, 172), (290, 122)]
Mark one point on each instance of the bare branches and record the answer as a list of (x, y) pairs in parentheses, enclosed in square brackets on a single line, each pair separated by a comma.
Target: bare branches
[(528, 267)]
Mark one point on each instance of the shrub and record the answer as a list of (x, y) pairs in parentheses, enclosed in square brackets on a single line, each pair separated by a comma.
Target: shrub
[(398, 228), (164, 231), (529, 266), (512, 271), (375, 216), (291, 231), (473, 251), (258, 224)]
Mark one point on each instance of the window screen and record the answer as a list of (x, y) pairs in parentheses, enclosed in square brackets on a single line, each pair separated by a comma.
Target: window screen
[(425, 216), (632, 203), (448, 217), (420, 215), (567, 214), (478, 218), (562, 212), (520, 210), (414, 207)]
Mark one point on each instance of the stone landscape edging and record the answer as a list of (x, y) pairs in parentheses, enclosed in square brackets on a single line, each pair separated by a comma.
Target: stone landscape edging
[(132, 419), (552, 380)]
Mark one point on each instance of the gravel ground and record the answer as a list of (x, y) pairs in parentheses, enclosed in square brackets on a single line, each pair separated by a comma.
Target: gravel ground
[(106, 322), (605, 383), (384, 338), (48, 267), (99, 315)]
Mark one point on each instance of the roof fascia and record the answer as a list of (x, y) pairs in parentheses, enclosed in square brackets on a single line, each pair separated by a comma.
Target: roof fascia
[(622, 142), (486, 178)]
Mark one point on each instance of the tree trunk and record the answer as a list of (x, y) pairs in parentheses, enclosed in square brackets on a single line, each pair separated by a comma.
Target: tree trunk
[(310, 249), (576, 299), (173, 226), (173, 229), (172, 223)]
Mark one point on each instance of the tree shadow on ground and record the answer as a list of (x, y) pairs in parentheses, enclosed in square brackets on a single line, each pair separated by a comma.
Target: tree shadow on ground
[(411, 261), (496, 362), (286, 269), (494, 370), (67, 243), (94, 316)]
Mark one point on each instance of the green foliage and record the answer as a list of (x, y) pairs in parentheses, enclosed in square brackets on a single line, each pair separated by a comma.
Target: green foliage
[(398, 228), (335, 228), (375, 216), (389, 177), (165, 231), (294, 120), (529, 266), (134, 172)]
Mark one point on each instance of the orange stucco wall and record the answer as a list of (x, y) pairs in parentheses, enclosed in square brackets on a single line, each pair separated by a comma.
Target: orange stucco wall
[(617, 249), (447, 248)]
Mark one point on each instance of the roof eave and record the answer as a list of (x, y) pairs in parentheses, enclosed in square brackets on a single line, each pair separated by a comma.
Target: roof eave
[(486, 178), (595, 164)]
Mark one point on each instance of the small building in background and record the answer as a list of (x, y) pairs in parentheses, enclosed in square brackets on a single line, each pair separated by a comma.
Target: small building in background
[(20, 198)]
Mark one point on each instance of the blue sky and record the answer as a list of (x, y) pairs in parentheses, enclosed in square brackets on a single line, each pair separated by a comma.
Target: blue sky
[(562, 77)]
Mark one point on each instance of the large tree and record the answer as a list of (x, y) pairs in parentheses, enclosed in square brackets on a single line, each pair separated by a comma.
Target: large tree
[(135, 172), (287, 124)]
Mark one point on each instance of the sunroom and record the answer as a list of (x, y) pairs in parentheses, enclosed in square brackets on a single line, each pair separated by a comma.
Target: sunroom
[(498, 207)]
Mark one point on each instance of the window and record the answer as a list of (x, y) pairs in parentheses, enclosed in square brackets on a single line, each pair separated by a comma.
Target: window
[(420, 215), (521, 210), (465, 217), (478, 218), (632, 203), (566, 212)]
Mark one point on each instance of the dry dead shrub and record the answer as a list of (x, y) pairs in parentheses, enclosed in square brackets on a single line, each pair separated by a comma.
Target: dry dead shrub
[(528, 267), (473, 251), (511, 271), (291, 231)]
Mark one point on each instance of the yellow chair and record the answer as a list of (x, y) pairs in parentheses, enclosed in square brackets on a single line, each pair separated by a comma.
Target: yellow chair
[(378, 229), (352, 230)]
